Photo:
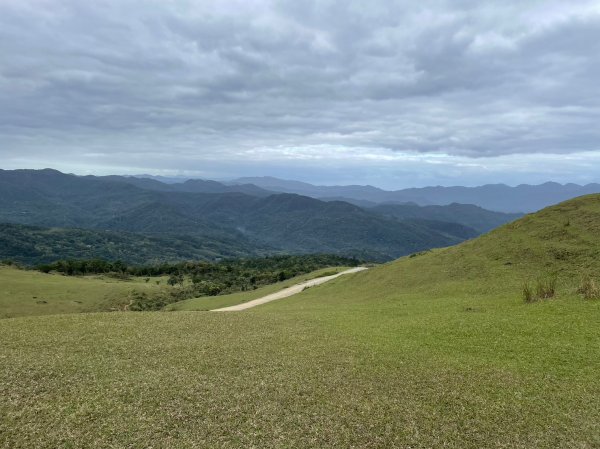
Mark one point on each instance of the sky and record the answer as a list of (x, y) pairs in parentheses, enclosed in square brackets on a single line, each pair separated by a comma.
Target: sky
[(389, 93)]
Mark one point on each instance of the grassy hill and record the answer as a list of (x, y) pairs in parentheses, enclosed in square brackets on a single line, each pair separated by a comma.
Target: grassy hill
[(435, 350), (560, 241), (30, 293)]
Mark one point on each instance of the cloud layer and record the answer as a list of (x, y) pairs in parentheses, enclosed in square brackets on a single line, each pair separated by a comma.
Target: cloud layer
[(321, 85)]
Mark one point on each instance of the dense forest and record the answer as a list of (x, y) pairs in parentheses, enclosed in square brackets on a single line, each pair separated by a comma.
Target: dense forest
[(35, 245)]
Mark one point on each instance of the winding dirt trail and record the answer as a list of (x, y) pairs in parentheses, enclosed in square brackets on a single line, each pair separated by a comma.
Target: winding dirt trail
[(294, 289)]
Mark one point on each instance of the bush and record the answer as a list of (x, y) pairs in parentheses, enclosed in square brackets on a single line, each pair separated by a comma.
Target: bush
[(12, 263), (45, 268), (175, 279), (327, 273), (119, 276), (207, 288), (143, 302), (588, 288)]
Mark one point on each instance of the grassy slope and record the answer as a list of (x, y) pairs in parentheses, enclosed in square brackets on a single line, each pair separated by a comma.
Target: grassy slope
[(432, 351), (34, 293), (214, 302)]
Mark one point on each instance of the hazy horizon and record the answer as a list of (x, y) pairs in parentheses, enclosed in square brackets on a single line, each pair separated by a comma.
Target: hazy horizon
[(390, 94), (177, 178)]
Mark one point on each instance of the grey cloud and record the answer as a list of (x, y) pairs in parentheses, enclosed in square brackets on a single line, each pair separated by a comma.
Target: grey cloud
[(133, 77)]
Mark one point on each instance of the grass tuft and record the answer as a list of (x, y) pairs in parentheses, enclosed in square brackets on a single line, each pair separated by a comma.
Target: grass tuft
[(544, 288), (528, 295), (588, 288)]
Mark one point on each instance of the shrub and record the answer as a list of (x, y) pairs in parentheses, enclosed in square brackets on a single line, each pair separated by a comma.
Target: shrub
[(327, 273), (45, 268), (176, 279), (207, 288), (588, 288), (141, 302), (119, 276)]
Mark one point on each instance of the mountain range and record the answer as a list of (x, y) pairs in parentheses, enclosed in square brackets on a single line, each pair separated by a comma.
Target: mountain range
[(221, 220), (523, 198)]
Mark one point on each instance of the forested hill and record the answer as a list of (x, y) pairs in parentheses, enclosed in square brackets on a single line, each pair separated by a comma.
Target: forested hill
[(228, 222), (475, 217), (34, 245)]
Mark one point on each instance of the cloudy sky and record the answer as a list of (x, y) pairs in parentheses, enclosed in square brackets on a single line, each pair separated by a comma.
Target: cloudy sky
[(391, 93)]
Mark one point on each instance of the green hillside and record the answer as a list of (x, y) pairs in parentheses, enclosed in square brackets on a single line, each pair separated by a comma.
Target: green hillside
[(561, 241), (434, 350), (30, 293)]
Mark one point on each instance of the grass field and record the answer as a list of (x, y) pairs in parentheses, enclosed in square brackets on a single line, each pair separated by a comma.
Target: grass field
[(31, 293), (436, 350), (25, 293)]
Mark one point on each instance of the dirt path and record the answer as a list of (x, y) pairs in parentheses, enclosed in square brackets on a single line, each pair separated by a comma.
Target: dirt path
[(294, 289)]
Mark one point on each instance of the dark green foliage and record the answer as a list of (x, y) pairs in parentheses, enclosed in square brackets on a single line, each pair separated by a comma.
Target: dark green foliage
[(175, 278), (157, 300), (209, 288), (256, 270), (33, 245), (180, 225), (142, 302)]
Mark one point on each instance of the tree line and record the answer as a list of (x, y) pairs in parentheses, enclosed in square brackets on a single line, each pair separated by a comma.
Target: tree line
[(282, 267)]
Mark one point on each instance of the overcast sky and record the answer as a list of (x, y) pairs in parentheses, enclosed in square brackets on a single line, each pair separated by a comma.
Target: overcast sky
[(390, 93)]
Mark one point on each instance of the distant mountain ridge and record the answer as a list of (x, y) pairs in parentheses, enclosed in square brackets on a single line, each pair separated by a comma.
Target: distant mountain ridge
[(496, 197), (475, 217), (189, 185)]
